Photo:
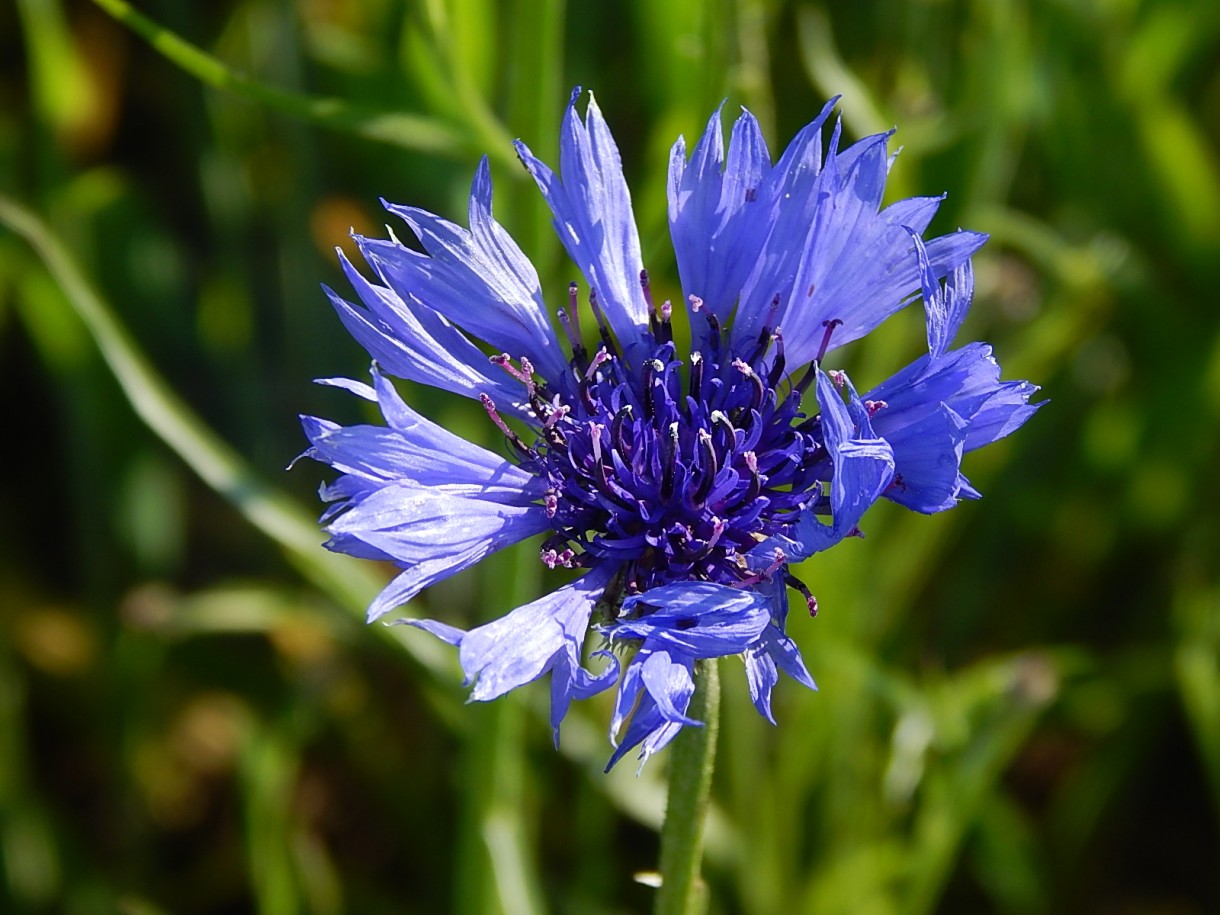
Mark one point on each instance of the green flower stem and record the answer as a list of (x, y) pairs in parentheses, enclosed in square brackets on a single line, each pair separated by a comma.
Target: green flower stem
[(691, 762)]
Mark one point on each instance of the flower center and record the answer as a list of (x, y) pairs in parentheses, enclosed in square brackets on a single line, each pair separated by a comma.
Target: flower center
[(676, 468)]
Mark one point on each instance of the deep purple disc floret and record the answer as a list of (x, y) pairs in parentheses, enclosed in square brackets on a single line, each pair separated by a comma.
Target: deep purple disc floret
[(680, 481)]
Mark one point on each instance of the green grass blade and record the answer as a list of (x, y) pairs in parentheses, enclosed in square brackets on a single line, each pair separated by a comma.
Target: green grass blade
[(409, 131), (270, 511)]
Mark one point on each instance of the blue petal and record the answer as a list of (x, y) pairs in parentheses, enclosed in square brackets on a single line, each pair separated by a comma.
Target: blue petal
[(545, 635), (966, 380), (945, 307), (648, 729), (863, 468), (412, 449), (478, 279), (700, 619), (432, 533), (858, 266), (382, 455), (786, 206), (1001, 414), (927, 460), (417, 343), (773, 651), (712, 212), (593, 218), (655, 692)]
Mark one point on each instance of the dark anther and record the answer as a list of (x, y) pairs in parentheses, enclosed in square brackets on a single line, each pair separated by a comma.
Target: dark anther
[(766, 335), (602, 326), (760, 389), (777, 367), (671, 462), (796, 584), (571, 327), (696, 375), (806, 380), (618, 432), (646, 288), (830, 329), (711, 467), (651, 367)]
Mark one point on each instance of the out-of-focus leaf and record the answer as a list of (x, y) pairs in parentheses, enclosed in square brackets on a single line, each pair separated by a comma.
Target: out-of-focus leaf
[(410, 131)]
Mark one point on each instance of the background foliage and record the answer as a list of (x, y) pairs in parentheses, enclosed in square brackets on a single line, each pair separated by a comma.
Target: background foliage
[(1020, 700)]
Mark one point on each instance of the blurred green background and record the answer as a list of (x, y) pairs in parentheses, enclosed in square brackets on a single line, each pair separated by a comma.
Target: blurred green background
[(1020, 700)]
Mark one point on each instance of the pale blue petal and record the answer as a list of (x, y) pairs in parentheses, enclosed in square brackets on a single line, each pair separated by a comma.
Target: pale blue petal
[(655, 692), (593, 218), (788, 203), (699, 619), (432, 533), (927, 461), (477, 279), (945, 306), (519, 647), (1001, 414), (712, 211), (858, 265), (418, 344), (863, 468), (965, 379), (773, 651)]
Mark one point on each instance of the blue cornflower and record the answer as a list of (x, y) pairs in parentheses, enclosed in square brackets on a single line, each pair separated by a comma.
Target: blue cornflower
[(681, 482)]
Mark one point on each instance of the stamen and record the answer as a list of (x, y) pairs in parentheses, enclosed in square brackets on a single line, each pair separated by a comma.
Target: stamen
[(571, 327), (777, 367), (651, 367), (874, 406), (760, 389), (796, 584), (618, 433), (711, 467), (647, 290), (696, 375), (599, 358), (490, 406), (573, 300), (671, 462), (555, 552), (806, 380), (525, 374), (595, 440), (558, 412), (778, 558), (659, 320), (830, 329), (602, 326)]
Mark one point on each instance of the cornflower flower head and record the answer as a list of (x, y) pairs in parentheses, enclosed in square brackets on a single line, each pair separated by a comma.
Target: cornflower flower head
[(680, 482)]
